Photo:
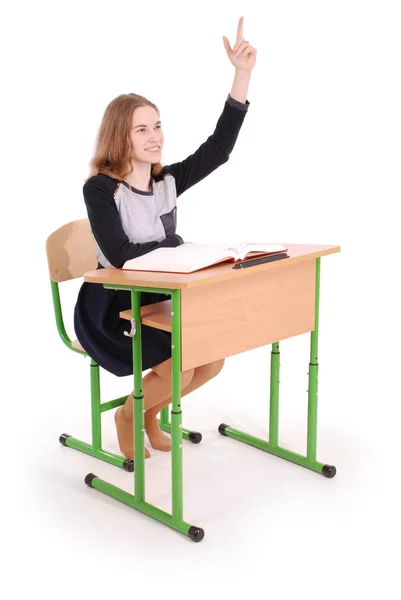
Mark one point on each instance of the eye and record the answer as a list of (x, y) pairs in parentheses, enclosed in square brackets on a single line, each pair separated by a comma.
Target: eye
[(143, 129)]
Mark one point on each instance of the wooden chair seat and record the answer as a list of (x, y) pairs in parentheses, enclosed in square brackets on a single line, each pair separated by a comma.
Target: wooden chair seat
[(156, 315)]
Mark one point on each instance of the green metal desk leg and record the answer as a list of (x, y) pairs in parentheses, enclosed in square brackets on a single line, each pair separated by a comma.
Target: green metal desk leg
[(138, 412), (327, 470), (137, 501), (165, 424), (274, 394), (176, 413), (309, 461), (195, 533)]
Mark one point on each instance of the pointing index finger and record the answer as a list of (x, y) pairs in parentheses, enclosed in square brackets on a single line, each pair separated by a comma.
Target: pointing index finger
[(240, 29)]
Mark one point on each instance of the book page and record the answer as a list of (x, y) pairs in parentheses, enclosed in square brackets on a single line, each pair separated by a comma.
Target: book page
[(184, 258), (258, 248)]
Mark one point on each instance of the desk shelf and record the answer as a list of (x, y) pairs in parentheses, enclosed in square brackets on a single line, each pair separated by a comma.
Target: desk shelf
[(156, 315)]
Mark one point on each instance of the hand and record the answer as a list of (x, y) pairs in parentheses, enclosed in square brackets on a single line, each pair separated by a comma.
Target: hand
[(243, 55)]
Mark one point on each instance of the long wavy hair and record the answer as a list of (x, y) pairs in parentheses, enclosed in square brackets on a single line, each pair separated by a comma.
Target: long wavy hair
[(113, 150)]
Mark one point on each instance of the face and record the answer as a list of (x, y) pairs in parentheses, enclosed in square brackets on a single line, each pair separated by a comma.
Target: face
[(146, 133)]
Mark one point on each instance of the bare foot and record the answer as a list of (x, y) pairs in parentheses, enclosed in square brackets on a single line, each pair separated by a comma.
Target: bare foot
[(157, 439), (125, 435)]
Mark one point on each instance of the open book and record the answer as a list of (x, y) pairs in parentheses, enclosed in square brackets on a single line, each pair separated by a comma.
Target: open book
[(189, 257)]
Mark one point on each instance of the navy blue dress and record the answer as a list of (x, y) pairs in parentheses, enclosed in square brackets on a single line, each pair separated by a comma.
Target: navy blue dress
[(100, 329)]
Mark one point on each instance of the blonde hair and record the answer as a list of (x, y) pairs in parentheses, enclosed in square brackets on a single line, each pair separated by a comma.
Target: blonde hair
[(113, 145)]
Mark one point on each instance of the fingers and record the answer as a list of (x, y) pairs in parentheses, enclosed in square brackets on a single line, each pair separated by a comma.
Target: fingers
[(240, 35), (235, 48), (241, 47), (240, 43), (227, 44)]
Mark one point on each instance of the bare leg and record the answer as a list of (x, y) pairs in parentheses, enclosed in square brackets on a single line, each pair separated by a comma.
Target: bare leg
[(156, 386), (202, 375), (125, 432)]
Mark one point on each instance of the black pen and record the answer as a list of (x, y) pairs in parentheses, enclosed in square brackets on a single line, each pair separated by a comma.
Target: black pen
[(260, 260)]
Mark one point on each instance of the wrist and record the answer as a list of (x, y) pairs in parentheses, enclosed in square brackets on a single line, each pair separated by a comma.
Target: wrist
[(243, 72), (239, 89)]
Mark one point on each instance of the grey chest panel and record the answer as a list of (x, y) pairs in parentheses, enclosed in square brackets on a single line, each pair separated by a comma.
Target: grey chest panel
[(146, 218)]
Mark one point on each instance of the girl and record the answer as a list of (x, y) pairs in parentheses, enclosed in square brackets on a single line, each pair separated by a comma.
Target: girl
[(131, 204)]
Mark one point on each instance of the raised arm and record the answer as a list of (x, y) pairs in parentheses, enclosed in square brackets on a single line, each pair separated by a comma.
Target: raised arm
[(212, 153), (218, 147)]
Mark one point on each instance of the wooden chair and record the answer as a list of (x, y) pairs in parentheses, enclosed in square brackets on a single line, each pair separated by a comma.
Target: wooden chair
[(70, 254)]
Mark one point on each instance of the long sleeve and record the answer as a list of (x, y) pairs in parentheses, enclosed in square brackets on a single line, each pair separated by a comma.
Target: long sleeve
[(107, 228), (212, 153)]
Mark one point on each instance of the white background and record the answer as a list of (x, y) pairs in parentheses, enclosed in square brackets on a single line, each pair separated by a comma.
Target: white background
[(316, 161)]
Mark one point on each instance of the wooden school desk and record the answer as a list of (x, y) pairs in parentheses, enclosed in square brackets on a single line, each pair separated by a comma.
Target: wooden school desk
[(213, 314)]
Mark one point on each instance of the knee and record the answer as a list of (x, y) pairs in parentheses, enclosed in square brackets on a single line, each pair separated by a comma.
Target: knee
[(164, 370), (219, 365), (186, 377), (214, 368)]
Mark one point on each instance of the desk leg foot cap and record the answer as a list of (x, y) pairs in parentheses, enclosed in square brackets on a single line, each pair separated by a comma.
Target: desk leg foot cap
[(329, 471), (128, 465), (196, 533), (63, 438), (89, 478), (195, 437), (222, 428)]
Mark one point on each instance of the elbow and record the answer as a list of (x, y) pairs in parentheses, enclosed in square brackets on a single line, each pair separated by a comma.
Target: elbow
[(114, 259), (118, 263)]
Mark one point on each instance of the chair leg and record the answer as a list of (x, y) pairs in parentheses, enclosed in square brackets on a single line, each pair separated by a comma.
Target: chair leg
[(95, 449)]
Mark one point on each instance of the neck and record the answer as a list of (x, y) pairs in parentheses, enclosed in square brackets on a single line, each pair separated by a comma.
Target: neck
[(140, 178)]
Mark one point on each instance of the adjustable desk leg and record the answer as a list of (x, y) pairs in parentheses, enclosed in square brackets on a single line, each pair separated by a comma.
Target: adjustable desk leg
[(137, 501), (309, 461), (274, 394), (138, 412), (313, 376), (164, 422), (176, 412), (195, 533)]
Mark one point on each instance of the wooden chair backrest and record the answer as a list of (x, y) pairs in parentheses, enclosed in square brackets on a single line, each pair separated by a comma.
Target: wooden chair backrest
[(71, 251)]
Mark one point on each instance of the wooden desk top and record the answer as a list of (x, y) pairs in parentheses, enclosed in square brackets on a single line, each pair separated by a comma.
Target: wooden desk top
[(297, 253)]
